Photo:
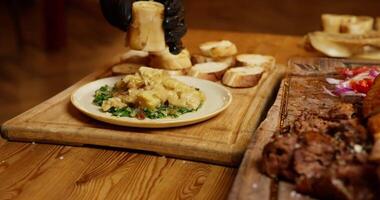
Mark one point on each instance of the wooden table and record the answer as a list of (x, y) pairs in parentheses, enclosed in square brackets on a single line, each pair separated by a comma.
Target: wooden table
[(43, 171)]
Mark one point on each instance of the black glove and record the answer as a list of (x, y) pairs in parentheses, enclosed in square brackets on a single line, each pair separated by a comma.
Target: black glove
[(119, 14)]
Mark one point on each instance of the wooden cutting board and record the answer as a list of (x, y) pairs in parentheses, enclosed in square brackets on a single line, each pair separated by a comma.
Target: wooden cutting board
[(309, 73), (220, 140)]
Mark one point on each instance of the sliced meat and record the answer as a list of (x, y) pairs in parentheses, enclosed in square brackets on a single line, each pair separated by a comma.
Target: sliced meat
[(315, 155), (310, 122), (342, 182), (278, 156), (371, 103), (343, 111)]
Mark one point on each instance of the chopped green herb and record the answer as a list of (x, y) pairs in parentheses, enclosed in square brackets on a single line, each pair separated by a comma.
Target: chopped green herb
[(102, 94), (163, 111)]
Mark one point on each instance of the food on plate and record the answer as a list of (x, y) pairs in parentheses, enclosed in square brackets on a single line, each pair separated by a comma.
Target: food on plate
[(256, 60), (125, 68), (217, 49), (166, 60), (242, 77), (344, 45), (212, 71), (146, 32), (347, 24), (150, 93), (197, 59), (357, 81), (135, 56)]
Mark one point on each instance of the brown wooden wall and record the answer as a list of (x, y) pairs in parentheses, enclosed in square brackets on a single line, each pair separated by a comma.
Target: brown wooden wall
[(274, 16)]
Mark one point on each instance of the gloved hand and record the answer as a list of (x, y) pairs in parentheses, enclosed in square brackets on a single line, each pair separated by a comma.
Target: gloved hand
[(119, 14)]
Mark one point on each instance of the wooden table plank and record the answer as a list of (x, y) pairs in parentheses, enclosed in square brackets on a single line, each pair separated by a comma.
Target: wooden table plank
[(2, 141), (40, 171)]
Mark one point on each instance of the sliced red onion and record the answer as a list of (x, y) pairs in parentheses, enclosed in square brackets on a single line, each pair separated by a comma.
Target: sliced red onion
[(374, 73), (345, 84), (327, 91), (362, 76), (340, 91), (333, 81), (353, 93)]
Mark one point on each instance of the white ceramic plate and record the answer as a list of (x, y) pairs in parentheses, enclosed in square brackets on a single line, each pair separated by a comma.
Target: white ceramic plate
[(218, 99)]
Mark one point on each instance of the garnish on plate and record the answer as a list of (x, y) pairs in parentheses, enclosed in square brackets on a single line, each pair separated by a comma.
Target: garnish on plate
[(357, 81), (150, 93)]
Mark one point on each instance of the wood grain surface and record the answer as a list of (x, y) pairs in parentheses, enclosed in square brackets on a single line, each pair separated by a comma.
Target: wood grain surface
[(302, 84), (41, 171), (219, 140)]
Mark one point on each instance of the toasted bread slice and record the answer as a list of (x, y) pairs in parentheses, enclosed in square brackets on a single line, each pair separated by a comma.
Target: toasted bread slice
[(347, 24), (197, 59), (343, 45), (131, 68), (169, 61), (135, 56), (256, 60), (125, 68), (217, 49), (212, 71), (361, 25), (243, 77)]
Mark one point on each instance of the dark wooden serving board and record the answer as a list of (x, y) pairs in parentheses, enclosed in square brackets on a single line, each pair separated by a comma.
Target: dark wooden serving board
[(303, 82)]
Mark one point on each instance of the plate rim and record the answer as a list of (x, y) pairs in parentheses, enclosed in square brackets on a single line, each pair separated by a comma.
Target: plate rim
[(152, 124)]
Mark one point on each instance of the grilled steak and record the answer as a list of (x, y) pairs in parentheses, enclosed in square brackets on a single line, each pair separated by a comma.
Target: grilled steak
[(371, 103), (325, 154), (278, 157)]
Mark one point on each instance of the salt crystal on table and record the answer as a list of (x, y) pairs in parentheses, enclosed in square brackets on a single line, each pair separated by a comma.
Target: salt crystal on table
[(61, 158), (33, 143), (254, 186)]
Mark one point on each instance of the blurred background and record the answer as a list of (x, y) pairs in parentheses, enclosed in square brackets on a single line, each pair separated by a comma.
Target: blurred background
[(47, 45)]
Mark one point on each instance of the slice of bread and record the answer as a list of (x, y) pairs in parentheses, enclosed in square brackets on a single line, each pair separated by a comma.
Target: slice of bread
[(212, 71), (125, 68), (256, 60), (197, 59), (217, 49), (243, 77), (168, 61), (347, 24), (135, 56)]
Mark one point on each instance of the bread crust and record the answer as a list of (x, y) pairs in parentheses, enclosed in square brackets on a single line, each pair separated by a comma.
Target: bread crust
[(212, 71), (236, 77), (168, 61), (217, 49), (256, 60)]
